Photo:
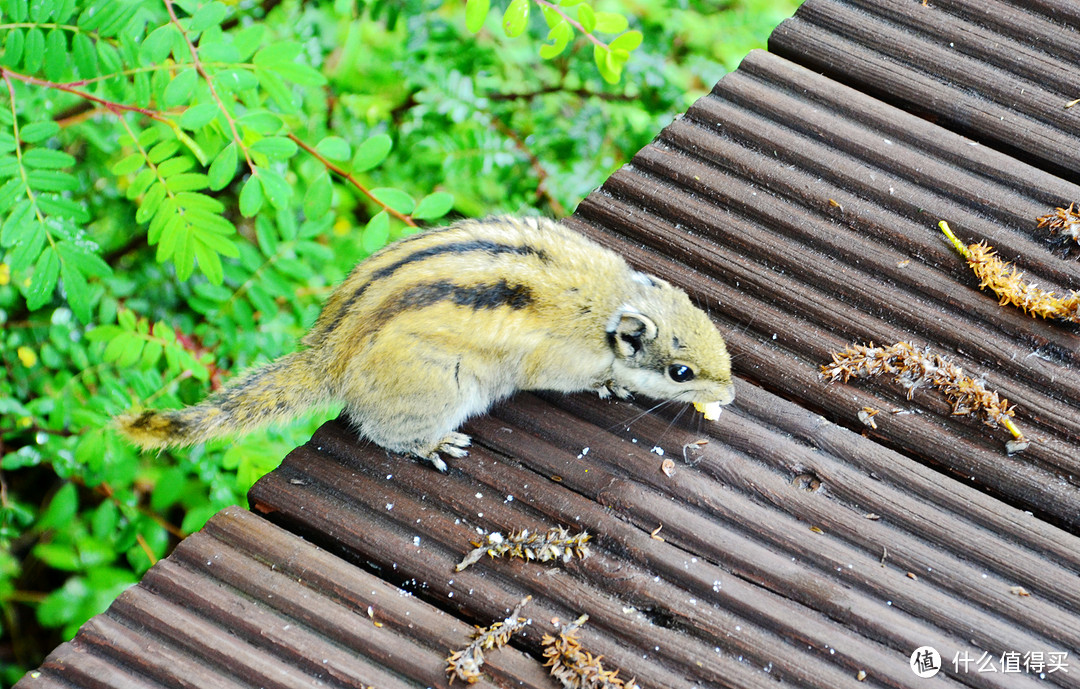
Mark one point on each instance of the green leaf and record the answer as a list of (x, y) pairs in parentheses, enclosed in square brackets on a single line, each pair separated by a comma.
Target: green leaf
[(334, 148), (188, 181), (476, 11), (434, 206), (42, 284), (274, 85), (586, 17), (214, 49), (83, 257), (51, 180), (395, 198), (559, 36), (33, 50), (628, 41), (277, 53), (84, 56), (11, 190), (209, 262), (62, 508), (61, 207), (275, 188), (16, 229), (9, 166), (150, 202), (516, 18), (551, 16), (275, 147), (36, 132), (372, 152), (210, 14), (299, 73), (600, 56), (65, 10), (377, 233), (140, 184), (29, 248), (610, 22), (162, 151), (184, 255), (47, 158), (235, 80), (77, 291), (174, 166), (181, 88), (198, 116), (56, 55), (247, 40), (223, 169), (318, 197), (41, 10), (261, 121), (251, 197), (13, 48), (58, 556)]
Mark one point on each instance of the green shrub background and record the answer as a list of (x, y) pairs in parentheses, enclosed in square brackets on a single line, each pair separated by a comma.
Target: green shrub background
[(182, 182)]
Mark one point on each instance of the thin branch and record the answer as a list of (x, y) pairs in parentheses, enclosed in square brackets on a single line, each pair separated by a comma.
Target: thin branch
[(580, 93), (111, 106), (348, 177), (559, 11), (197, 63)]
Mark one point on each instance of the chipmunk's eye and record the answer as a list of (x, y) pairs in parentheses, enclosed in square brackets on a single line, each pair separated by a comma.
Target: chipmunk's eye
[(680, 373)]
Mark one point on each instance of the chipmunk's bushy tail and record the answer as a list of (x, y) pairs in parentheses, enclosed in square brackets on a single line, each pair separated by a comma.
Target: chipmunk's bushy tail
[(277, 392)]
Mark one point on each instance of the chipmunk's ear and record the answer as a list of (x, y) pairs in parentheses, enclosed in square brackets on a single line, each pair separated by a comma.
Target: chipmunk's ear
[(628, 331)]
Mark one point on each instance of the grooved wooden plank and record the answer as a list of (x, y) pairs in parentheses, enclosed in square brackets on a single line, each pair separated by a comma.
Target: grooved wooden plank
[(1000, 72), (732, 203), (244, 604), (615, 586)]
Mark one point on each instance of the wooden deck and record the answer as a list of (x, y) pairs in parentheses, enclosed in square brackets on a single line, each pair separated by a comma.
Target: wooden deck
[(799, 203)]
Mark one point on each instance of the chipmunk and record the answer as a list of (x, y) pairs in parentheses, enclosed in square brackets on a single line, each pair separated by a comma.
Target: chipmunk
[(438, 326)]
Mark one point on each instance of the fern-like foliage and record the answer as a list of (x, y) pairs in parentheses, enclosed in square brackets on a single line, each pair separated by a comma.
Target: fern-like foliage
[(197, 107)]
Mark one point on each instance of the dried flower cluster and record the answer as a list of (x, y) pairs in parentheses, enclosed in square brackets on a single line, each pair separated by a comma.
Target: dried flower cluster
[(467, 662), (575, 667), (914, 367), (1064, 223), (556, 544), (1008, 283)]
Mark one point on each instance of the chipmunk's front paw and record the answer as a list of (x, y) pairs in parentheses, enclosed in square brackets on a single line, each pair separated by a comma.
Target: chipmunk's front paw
[(610, 388)]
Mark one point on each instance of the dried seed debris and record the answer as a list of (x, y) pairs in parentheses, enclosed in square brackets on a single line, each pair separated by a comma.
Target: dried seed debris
[(913, 367), (556, 544), (1008, 283), (866, 416), (466, 663), (1064, 223), (576, 668)]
